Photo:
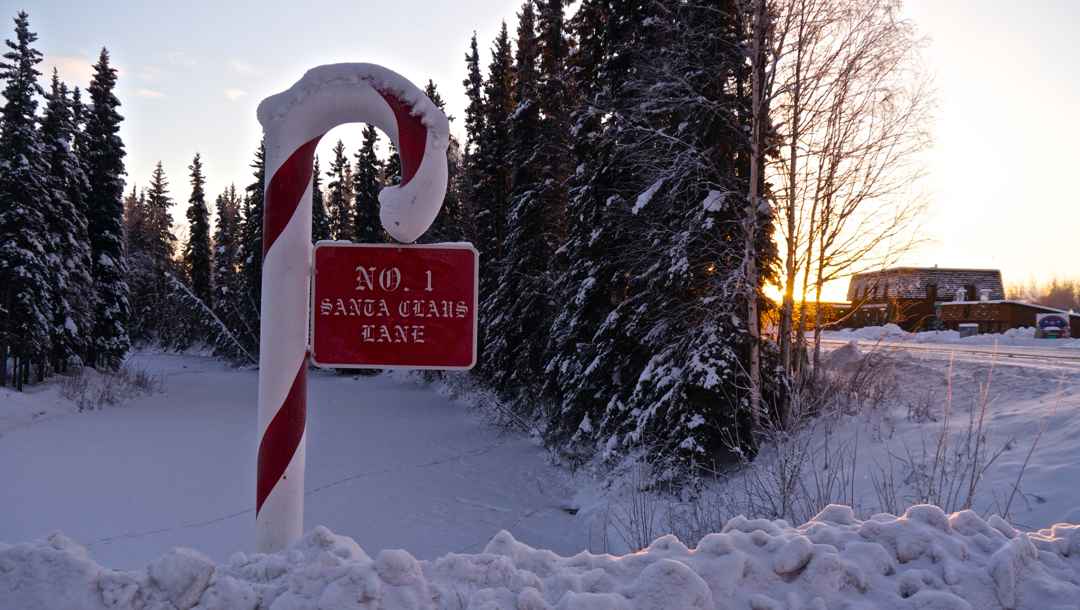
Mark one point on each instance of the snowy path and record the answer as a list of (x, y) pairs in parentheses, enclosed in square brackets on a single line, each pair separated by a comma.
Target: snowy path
[(390, 463), (1065, 358)]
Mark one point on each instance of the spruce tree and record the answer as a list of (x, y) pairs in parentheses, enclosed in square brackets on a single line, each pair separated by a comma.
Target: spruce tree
[(68, 242), (162, 245), (339, 201), (320, 222), (449, 225), (470, 171), (252, 237), (151, 246), (197, 249), (102, 156), (391, 172), (25, 299), (492, 155), (521, 307), (676, 343), (366, 185), (474, 88), (230, 299)]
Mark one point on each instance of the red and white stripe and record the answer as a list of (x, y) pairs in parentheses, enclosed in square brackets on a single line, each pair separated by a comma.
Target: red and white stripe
[(293, 123)]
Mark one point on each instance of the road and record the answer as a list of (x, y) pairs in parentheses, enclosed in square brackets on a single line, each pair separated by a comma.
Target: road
[(1041, 357)]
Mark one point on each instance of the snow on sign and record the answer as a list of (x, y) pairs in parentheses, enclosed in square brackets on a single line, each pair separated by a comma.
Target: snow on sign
[(394, 306)]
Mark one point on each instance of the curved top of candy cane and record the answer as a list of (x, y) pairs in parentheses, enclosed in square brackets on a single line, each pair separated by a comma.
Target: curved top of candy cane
[(328, 96)]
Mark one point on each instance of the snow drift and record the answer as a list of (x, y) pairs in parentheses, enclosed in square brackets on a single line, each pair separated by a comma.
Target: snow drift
[(922, 559)]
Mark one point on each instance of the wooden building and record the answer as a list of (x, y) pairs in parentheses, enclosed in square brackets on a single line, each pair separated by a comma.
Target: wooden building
[(910, 296), (999, 316)]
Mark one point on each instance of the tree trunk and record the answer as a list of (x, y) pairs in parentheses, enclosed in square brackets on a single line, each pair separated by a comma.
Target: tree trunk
[(756, 159)]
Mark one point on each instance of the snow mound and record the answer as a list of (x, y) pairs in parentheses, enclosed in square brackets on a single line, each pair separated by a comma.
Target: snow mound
[(922, 559), (844, 356), (891, 332)]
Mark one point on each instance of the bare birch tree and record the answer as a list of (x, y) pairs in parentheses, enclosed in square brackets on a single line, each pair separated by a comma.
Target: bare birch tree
[(852, 108)]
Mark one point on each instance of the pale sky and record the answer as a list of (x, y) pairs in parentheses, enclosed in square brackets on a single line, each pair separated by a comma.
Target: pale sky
[(192, 73)]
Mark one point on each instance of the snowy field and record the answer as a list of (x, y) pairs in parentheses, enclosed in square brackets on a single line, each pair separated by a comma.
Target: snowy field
[(394, 463), (391, 463)]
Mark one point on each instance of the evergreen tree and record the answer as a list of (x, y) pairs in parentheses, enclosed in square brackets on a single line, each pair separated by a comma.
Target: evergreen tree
[(492, 156), (68, 242), (197, 250), (339, 195), (449, 225), (25, 299), (391, 173), (521, 307), (666, 357), (162, 246), (230, 299), (366, 185), (102, 156), (136, 236), (474, 88), (252, 237), (320, 222), (151, 246)]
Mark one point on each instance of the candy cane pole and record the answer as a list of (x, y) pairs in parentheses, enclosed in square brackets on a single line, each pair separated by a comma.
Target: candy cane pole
[(293, 122)]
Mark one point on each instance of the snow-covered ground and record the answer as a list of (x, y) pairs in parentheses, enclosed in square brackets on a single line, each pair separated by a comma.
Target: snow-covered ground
[(391, 463), (892, 333), (395, 463), (923, 559)]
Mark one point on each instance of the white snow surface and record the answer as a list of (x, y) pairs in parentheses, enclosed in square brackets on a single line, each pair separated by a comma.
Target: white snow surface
[(390, 462), (922, 559), (891, 332), (160, 489), (646, 196)]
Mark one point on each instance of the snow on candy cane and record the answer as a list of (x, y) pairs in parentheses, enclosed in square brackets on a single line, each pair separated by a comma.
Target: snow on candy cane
[(293, 123)]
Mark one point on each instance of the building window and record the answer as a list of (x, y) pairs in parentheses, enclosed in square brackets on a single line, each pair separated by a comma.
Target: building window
[(969, 292)]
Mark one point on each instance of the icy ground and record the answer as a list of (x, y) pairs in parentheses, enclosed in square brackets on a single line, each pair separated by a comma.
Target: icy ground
[(391, 463), (394, 463)]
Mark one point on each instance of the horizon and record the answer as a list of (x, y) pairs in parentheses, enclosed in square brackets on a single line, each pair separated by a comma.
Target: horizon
[(198, 94)]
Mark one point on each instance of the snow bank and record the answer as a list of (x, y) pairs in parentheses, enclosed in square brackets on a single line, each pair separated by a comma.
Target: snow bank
[(923, 559), (892, 332)]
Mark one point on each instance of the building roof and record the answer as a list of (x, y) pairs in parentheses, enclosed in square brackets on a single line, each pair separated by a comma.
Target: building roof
[(916, 283)]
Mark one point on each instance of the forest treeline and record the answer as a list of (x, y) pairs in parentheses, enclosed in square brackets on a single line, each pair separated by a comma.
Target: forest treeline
[(633, 174)]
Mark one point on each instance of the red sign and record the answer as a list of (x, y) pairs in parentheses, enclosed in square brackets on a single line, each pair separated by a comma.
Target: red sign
[(394, 306)]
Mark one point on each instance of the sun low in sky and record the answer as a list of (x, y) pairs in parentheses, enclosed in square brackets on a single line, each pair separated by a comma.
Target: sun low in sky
[(191, 74)]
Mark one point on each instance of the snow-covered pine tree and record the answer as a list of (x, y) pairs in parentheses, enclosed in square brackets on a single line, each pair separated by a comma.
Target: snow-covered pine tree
[(339, 199), (162, 245), (470, 171), (230, 300), (25, 297), (683, 313), (520, 309), (320, 222), (135, 232), (197, 249), (586, 354), (101, 152), (68, 244), (492, 154), (450, 223), (251, 228), (391, 172), (366, 185), (151, 246)]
